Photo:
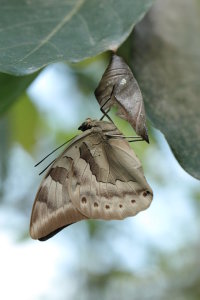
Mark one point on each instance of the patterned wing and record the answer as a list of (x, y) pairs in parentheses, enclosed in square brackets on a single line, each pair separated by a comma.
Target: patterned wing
[(112, 185), (53, 208), (95, 177)]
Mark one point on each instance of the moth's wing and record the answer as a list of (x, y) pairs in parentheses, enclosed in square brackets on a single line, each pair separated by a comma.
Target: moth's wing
[(113, 185), (53, 208), (92, 178)]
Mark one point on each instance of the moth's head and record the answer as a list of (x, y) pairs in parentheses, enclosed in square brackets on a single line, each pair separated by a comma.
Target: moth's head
[(86, 125), (98, 126)]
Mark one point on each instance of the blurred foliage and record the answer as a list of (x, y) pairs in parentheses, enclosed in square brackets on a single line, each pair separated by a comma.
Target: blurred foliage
[(11, 87), (166, 61), (4, 145), (24, 123), (166, 67), (89, 72), (102, 249)]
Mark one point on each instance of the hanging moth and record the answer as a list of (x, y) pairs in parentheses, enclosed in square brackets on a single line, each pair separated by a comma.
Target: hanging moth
[(119, 87), (98, 176)]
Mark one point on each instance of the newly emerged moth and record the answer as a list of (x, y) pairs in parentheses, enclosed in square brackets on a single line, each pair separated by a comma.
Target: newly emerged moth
[(98, 176), (119, 87)]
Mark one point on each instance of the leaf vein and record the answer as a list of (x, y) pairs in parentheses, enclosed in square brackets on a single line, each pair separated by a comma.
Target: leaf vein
[(66, 19)]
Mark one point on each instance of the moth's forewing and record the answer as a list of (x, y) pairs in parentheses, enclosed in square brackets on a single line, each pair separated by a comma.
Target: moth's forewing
[(52, 208)]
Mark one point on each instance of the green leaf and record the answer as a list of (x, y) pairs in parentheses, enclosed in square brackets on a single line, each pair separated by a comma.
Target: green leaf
[(36, 33), (166, 62), (24, 123), (11, 88)]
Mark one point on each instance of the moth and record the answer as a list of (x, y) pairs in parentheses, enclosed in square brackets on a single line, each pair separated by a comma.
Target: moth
[(98, 176), (119, 87)]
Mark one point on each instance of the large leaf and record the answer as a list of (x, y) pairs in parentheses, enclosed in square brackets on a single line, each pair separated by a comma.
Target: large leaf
[(11, 87), (36, 33), (166, 62)]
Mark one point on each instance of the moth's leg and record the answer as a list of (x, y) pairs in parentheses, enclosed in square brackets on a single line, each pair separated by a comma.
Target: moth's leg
[(136, 140), (105, 113), (133, 138)]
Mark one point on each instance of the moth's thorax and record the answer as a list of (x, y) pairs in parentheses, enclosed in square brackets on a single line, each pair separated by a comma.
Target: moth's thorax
[(99, 126)]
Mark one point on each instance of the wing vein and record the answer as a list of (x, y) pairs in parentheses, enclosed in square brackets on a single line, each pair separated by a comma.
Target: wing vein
[(117, 171)]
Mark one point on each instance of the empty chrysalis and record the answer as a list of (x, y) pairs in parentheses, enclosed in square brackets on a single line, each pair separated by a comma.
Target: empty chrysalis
[(119, 87)]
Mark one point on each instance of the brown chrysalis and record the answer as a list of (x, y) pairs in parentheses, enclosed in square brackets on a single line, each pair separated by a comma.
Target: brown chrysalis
[(119, 87)]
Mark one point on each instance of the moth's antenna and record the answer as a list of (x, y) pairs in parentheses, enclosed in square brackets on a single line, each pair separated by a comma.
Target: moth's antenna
[(54, 151), (47, 167)]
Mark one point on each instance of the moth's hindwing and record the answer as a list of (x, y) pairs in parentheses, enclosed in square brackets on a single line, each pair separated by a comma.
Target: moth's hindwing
[(112, 185)]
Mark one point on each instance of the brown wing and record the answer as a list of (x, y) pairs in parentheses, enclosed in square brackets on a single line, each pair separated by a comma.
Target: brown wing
[(112, 185), (95, 177), (53, 208)]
